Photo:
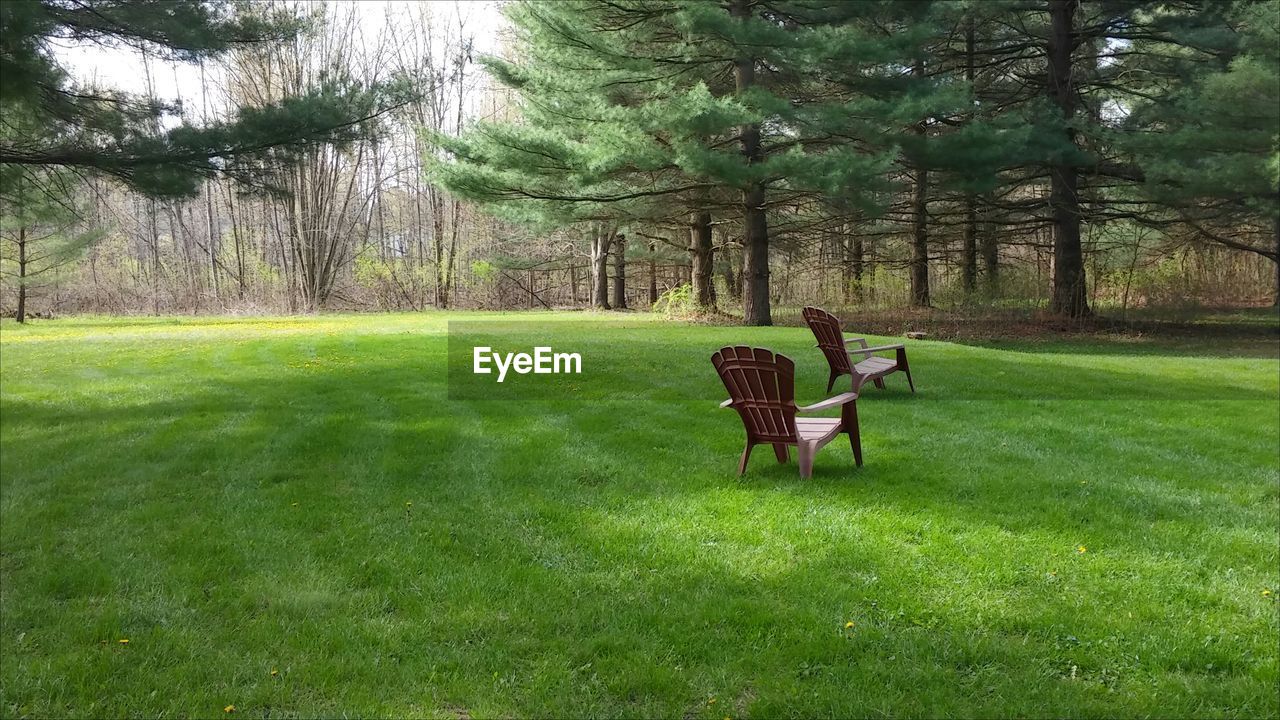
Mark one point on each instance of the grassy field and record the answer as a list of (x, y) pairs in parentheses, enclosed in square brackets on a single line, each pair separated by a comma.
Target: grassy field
[(301, 517)]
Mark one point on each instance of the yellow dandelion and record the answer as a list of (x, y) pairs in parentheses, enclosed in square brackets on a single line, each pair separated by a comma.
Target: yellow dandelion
[(123, 641), (1082, 549), (274, 672), (294, 504), (848, 625), (712, 701), (1266, 593), (229, 709), (408, 503)]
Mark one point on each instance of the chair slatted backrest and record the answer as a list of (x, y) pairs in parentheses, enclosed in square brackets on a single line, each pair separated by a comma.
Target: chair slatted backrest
[(826, 328), (761, 386)]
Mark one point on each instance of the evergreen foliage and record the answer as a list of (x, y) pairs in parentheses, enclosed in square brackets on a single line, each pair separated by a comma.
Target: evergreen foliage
[(105, 130), (1054, 113)]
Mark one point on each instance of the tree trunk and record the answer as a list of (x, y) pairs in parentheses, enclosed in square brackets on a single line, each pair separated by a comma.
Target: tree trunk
[(755, 262), (21, 315), (449, 260), (730, 277), (733, 280), (620, 272), (1276, 302), (437, 246), (214, 234), (990, 260), (855, 266), (969, 251), (653, 274), (920, 241), (755, 241), (464, 51), (599, 268), (920, 219), (214, 238), (701, 251), (155, 258), (181, 238), (1069, 298), (235, 239)]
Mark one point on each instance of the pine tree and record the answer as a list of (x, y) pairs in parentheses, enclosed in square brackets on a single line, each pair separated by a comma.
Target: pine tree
[(1121, 75), (40, 222), (111, 132), (648, 122), (882, 117), (618, 140), (1208, 148), (986, 113)]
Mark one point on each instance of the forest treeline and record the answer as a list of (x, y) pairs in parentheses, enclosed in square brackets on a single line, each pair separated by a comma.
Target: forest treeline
[(735, 155)]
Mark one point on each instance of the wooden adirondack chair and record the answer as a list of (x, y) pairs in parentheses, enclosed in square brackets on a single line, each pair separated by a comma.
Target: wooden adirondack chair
[(761, 388), (831, 340)]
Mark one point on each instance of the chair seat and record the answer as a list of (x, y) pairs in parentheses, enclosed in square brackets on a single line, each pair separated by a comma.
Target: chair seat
[(813, 429), (874, 365)]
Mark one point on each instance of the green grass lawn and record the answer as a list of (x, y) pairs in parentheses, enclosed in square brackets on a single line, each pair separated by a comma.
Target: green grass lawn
[(298, 517)]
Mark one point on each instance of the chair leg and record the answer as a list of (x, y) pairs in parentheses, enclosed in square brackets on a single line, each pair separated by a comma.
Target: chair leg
[(804, 455), (746, 455), (831, 381), (780, 450), (849, 418), (904, 367), (879, 383)]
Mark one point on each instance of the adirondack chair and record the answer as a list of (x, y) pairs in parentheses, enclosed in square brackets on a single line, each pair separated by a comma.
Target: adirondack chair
[(761, 388), (831, 340)]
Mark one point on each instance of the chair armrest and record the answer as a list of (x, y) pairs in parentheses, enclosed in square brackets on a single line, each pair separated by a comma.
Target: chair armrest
[(829, 403), (726, 403), (862, 342), (878, 348)]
